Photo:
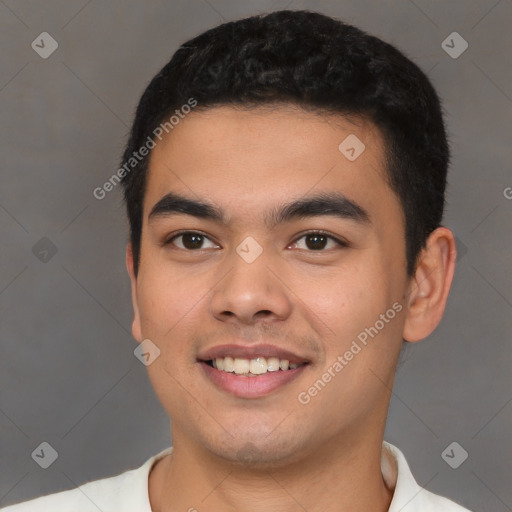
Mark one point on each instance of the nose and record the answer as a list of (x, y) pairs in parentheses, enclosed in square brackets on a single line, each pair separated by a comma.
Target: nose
[(250, 293)]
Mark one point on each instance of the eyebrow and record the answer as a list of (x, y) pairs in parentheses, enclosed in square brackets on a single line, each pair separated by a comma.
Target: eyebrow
[(324, 204)]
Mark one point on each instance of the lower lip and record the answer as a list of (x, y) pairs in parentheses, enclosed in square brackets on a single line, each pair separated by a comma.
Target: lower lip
[(250, 387)]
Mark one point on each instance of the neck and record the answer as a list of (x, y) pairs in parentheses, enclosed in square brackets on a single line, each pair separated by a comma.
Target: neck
[(347, 477)]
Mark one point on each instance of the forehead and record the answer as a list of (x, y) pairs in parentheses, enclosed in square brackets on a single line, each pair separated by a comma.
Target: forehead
[(243, 157)]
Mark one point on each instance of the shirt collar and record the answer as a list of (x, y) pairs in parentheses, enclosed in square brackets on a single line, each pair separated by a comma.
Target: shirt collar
[(395, 472)]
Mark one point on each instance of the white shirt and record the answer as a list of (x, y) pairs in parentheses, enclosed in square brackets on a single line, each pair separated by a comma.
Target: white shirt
[(128, 492)]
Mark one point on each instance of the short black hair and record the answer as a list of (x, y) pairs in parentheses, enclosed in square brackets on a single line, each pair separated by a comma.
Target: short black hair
[(318, 63)]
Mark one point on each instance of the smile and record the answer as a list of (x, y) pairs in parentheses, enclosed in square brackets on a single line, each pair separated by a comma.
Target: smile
[(252, 367), (247, 384)]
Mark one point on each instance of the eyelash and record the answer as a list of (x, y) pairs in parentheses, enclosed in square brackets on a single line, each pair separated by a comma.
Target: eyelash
[(339, 242)]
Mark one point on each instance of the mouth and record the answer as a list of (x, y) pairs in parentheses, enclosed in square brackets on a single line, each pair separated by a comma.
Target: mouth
[(262, 371), (252, 367)]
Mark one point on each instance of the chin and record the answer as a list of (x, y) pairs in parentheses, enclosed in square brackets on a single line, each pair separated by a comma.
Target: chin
[(258, 451)]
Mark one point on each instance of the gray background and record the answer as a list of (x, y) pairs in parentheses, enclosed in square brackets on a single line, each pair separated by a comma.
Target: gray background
[(68, 373)]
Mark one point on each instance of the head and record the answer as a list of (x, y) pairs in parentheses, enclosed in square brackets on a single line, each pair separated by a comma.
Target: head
[(321, 65), (245, 127)]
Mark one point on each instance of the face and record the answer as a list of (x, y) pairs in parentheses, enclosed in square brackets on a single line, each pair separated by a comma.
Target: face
[(288, 248)]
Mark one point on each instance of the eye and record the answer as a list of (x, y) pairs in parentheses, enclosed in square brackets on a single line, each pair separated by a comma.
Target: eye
[(190, 240), (318, 241)]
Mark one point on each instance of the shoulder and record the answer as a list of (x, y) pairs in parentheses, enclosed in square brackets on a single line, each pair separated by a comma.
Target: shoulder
[(431, 502), (92, 496), (408, 495), (127, 491)]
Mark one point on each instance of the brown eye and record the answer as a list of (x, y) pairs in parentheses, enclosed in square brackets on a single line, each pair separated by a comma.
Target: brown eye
[(317, 241), (190, 240)]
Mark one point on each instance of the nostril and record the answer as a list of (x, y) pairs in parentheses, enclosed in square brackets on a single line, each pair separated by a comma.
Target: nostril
[(263, 312)]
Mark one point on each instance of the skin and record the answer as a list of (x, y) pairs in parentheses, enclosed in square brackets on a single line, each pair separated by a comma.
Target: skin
[(274, 453)]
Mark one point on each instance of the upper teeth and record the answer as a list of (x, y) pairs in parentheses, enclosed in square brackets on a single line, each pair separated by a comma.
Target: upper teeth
[(255, 366)]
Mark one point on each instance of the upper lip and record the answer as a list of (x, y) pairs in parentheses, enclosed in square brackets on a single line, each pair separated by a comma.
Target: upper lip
[(250, 352)]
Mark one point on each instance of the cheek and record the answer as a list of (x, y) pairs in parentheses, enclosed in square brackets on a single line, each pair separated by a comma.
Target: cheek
[(165, 301), (348, 299), (169, 308), (357, 306)]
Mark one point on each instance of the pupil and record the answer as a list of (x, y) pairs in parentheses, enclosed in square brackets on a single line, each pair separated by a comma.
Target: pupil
[(316, 241), (192, 241)]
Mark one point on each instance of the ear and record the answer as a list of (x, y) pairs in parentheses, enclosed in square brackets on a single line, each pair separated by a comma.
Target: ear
[(136, 325), (430, 285)]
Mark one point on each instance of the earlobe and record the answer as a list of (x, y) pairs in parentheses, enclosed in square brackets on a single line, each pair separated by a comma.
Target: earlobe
[(430, 285), (136, 326)]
